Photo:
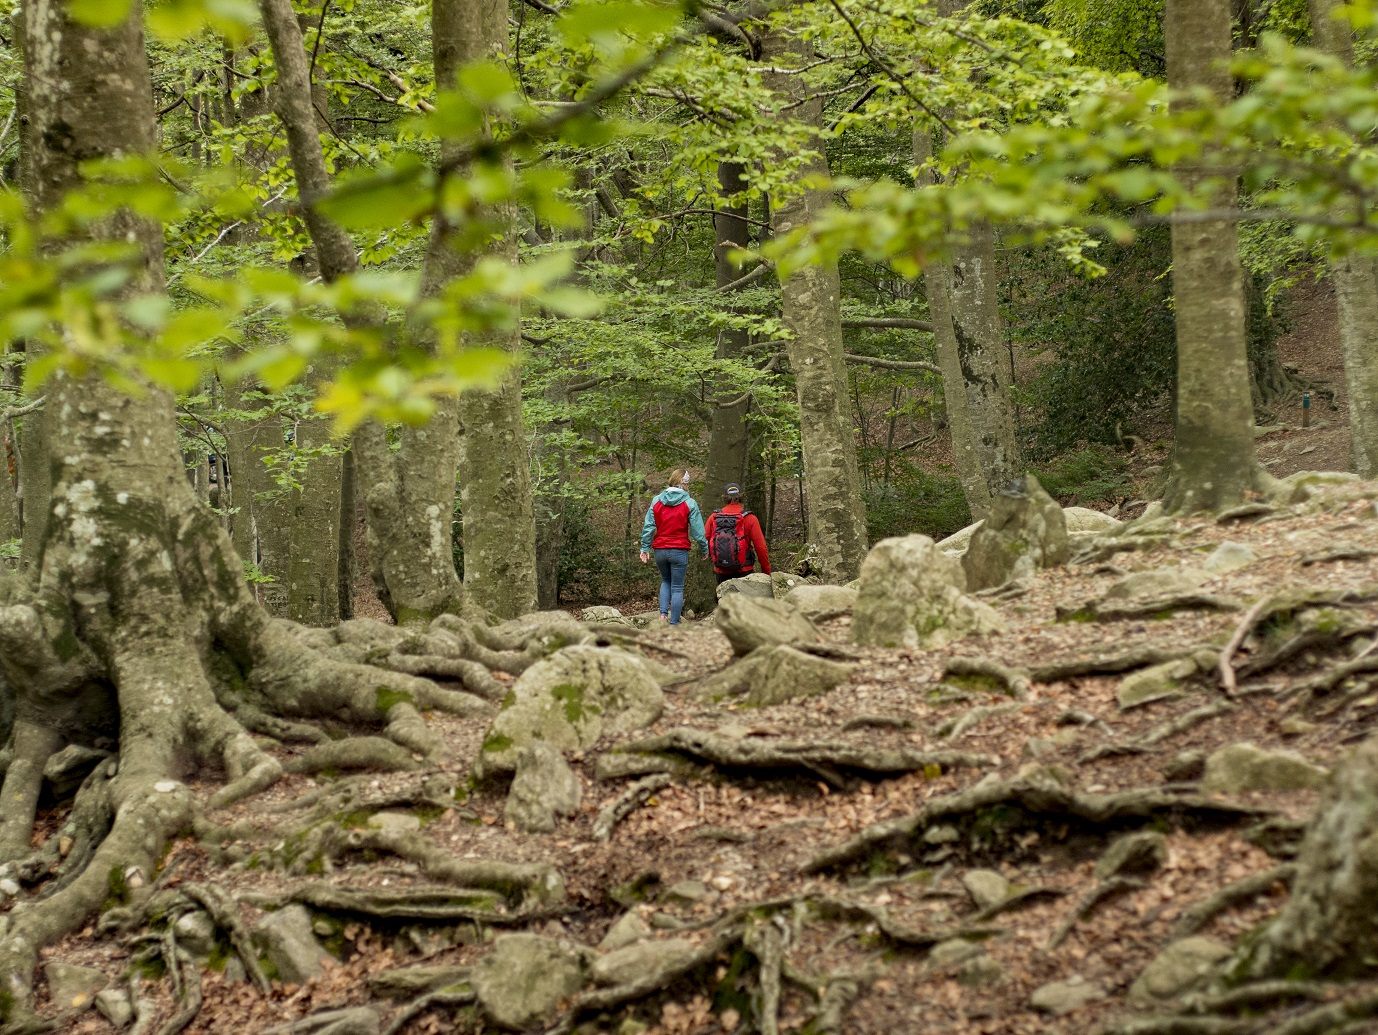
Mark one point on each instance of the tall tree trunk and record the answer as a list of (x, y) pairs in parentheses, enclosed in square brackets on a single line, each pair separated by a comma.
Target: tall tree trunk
[(810, 300), (409, 494), (1356, 286), (729, 439), (494, 461), (1213, 463)]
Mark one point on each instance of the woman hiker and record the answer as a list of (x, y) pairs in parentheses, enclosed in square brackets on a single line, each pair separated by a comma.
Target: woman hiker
[(735, 542), (672, 520)]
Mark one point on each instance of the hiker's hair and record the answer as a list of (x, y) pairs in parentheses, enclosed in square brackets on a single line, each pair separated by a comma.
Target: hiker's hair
[(678, 477)]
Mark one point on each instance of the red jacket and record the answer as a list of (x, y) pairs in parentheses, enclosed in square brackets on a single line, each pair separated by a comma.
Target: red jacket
[(750, 527)]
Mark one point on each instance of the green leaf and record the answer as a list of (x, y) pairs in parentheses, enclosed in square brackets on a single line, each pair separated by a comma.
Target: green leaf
[(99, 14)]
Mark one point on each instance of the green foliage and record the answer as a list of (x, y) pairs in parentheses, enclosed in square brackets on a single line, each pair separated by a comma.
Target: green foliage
[(916, 501), (1093, 476)]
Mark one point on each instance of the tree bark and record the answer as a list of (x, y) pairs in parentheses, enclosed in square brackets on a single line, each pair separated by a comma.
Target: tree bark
[(1213, 464), (810, 300), (409, 494), (494, 461), (1356, 286), (1329, 925)]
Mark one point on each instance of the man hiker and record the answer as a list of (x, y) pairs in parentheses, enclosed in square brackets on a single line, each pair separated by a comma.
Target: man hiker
[(735, 542), (672, 520)]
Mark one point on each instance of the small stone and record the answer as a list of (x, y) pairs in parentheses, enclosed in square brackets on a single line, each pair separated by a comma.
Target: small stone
[(1185, 766), (1295, 727), (630, 927), (166, 786), (641, 959), (941, 835), (722, 883), (392, 822), (9, 887), (981, 971), (602, 613), (1154, 683), (1140, 852), (286, 938), (73, 987), (1181, 966), (195, 932), (687, 892), (525, 977), (64, 845), (952, 952), (1245, 767), (1060, 997), (986, 887), (113, 1004), (822, 600), (757, 584), (1228, 557)]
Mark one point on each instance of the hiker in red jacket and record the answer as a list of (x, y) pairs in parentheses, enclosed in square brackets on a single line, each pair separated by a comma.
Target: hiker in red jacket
[(735, 542)]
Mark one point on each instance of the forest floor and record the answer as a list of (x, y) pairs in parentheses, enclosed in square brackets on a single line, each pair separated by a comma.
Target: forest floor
[(927, 946)]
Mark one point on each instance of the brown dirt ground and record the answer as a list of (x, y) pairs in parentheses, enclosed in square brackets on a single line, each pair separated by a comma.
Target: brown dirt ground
[(748, 838)]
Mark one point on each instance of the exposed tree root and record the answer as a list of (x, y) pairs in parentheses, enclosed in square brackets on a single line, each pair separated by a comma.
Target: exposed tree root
[(1087, 904), (1012, 681), (1009, 802), (1160, 606), (834, 762), (1203, 912), (1108, 664), (439, 903), (626, 803), (355, 753), (1163, 731)]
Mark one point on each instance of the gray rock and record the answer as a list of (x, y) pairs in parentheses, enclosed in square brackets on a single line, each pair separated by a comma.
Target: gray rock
[(1228, 557), (749, 623), (72, 987), (9, 887), (1185, 765), (1180, 967), (785, 674), (195, 932), (1087, 522), (687, 892), (821, 600), (981, 971), (392, 822), (113, 1004), (642, 959), (912, 595), (1140, 852), (525, 977), (1154, 683), (568, 701), (543, 789), (1024, 532), (1246, 767), (757, 584), (1301, 486), (1060, 997), (630, 927), (952, 952), (782, 583), (286, 939), (986, 887), (1161, 582), (602, 613)]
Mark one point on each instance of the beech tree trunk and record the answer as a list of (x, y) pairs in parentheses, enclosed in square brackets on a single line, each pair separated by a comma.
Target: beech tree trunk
[(810, 300), (1356, 286), (1329, 925), (494, 458), (1213, 464)]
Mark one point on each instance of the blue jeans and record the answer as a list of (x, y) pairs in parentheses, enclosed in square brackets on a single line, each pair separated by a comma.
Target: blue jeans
[(672, 565)]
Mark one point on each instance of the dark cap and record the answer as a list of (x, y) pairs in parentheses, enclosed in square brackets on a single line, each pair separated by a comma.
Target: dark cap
[(731, 490)]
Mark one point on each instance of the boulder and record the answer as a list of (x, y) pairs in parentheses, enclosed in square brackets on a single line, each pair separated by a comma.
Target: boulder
[(1024, 533), (642, 959), (749, 623), (568, 701), (981, 971), (72, 987), (1245, 767), (1228, 557), (1083, 521), (814, 601), (784, 582), (986, 887), (1059, 997), (395, 822), (543, 789), (782, 674), (196, 933), (1161, 582), (1154, 683), (1139, 852), (757, 584), (113, 1004), (525, 977), (1180, 967), (286, 939), (912, 596)]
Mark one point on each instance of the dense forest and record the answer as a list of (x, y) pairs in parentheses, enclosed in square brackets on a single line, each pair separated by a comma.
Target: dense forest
[(344, 345)]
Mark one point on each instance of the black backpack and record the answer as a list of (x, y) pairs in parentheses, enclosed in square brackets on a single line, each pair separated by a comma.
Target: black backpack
[(730, 550)]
